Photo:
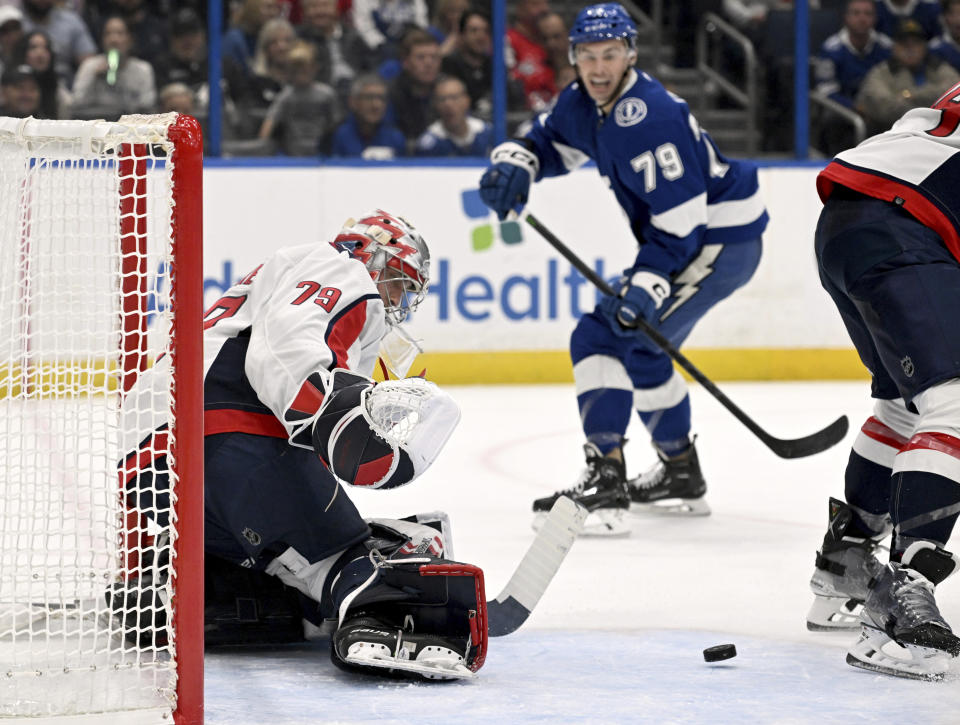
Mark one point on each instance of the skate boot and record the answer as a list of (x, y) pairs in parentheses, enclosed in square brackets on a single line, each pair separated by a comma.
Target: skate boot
[(601, 490), (674, 485), (369, 645), (903, 632), (845, 568)]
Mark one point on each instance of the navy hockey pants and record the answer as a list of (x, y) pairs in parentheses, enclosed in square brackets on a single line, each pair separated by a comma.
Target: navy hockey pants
[(263, 495), (897, 288)]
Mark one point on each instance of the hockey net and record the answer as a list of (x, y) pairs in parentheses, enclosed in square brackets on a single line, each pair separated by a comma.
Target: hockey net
[(100, 276)]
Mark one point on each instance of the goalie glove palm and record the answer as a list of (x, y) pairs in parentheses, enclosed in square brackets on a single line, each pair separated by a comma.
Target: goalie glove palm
[(381, 436)]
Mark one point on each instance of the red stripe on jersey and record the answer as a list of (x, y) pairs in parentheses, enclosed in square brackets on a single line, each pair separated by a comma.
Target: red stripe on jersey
[(242, 421), (879, 187), (949, 120), (949, 98), (373, 472), (144, 457), (939, 442), (878, 431), (345, 332), (308, 400)]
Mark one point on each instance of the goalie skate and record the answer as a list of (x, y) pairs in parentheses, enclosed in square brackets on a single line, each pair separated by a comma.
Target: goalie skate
[(903, 633), (367, 642), (673, 486)]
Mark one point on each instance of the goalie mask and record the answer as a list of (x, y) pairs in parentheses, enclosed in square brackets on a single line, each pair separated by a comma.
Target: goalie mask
[(395, 255)]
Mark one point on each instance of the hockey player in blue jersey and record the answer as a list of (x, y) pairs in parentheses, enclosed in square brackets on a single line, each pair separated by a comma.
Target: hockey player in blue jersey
[(697, 217)]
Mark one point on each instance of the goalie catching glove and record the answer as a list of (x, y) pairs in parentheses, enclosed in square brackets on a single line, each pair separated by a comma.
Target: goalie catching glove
[(381, 435)]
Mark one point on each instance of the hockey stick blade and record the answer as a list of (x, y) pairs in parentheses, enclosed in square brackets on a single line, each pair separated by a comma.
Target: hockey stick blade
[(811, 444), (785, 448), (510, 609)]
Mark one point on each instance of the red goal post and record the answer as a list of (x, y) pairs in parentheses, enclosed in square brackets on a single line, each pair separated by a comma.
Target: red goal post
[(101, 586)]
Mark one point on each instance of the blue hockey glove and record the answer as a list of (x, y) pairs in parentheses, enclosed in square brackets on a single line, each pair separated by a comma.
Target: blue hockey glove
[(505, 185), (641, 295)]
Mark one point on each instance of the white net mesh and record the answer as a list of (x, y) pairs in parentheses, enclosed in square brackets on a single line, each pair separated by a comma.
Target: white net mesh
[(85, 260), (397, 407)]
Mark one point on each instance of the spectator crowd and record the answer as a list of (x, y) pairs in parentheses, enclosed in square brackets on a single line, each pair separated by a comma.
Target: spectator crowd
[(382, 79), (888, 56), (378, 79)]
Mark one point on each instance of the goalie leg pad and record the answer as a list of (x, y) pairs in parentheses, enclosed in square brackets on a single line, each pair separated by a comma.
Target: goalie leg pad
[(417, 535), (423, 601), (365, 644)]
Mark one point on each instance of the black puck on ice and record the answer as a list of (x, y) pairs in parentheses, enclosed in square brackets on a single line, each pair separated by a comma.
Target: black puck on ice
[(719, 652)]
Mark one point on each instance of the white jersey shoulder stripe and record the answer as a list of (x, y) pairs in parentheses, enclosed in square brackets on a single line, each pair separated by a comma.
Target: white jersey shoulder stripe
[(572, 158), (915, 159)]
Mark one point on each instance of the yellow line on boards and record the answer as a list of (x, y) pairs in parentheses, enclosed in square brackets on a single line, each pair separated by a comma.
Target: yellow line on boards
[(553, 366), (68, 379)]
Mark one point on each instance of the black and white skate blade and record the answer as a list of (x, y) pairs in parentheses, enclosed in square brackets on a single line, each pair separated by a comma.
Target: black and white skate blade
[(672, 507), (834, 614), (432, 662), (877, 652), (602, 522)]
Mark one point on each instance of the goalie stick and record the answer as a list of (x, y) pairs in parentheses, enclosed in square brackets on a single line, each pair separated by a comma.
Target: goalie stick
[(783, 447), (513, 605)]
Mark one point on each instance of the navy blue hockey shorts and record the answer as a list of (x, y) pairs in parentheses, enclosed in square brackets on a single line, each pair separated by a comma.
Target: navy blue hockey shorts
[(897, 288), (715, 273), (263, 495)]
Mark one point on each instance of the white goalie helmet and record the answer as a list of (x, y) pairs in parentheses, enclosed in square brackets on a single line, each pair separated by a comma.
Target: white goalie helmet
[(392, 251)]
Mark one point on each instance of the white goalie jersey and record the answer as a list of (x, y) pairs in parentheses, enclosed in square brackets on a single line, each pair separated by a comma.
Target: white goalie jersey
[(271, 339), (914, 165)]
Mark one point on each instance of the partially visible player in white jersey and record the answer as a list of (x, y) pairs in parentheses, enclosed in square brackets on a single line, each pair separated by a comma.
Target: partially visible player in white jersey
[(888, 248), (291, 417)]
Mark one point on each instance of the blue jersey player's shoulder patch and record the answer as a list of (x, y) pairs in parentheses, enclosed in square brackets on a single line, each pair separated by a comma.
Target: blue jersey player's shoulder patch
[(658, 104)]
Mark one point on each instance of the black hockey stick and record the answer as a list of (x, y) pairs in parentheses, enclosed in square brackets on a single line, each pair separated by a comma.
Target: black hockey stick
[(785, 448), (511, 608)]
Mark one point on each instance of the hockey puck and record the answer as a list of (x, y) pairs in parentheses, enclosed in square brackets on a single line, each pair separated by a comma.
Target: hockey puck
[(719, 652)]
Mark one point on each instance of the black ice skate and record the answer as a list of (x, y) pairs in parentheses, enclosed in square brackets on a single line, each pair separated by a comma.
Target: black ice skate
[(845, 568), (674, 485), (601, 490), (365, 641), (903, 632)]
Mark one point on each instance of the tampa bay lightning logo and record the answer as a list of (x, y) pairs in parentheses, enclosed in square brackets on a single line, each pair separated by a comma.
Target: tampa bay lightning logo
[(630, 112)]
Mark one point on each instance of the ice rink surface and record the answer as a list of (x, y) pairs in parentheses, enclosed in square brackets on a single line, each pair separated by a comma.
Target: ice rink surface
[(618, 636)]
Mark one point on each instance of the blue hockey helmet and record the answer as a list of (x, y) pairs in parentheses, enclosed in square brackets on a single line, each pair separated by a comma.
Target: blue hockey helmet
[(604, 21)]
